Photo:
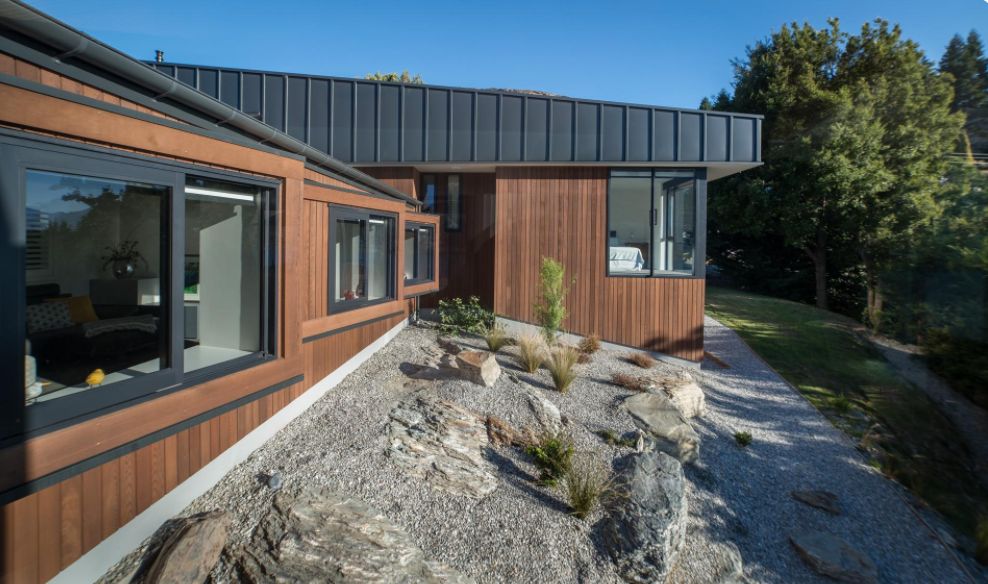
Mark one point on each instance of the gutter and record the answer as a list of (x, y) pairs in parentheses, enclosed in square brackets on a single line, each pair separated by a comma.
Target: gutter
[(71, 43)]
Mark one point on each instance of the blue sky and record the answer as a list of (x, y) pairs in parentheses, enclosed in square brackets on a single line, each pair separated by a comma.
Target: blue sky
[(658, 52)]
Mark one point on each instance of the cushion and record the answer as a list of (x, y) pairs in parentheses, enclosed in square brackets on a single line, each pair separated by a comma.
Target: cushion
[(48, 316), (80, 308)]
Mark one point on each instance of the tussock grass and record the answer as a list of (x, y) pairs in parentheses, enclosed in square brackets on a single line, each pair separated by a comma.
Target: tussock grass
[(586, 485), (630, 382), (589, 345), (531, 352), (562, 367), (642, 360), (743, 438), (496, 337)]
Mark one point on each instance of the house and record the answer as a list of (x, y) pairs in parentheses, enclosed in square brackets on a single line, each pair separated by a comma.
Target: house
[(193, 256)]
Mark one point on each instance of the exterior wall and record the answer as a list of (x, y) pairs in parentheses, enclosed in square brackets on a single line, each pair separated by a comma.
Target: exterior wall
[(466, 262), (562, 213), (68, 489)]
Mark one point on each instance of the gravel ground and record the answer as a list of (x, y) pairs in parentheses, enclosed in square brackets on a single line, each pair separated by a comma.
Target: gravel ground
[(522, 533)]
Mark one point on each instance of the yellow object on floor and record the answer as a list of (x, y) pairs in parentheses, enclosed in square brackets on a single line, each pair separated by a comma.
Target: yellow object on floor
[(95, 378)]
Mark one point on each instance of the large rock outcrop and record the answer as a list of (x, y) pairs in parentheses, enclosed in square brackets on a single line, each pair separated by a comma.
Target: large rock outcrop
[(322, 536), (646, 525), (658, 416)]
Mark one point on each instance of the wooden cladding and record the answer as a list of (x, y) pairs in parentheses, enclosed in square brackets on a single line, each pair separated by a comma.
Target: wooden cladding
[(562, 213)]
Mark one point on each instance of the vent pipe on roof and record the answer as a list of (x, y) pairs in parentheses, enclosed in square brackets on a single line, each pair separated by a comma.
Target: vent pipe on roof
[(159, 56)]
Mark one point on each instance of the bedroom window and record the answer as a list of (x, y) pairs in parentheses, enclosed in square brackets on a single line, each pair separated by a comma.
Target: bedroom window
[(651, 223), (419, 253), (362, 250), (137, 277)]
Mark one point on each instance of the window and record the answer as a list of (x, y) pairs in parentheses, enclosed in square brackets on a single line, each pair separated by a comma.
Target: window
[(363, 258), (428, 193), (419, 253), (651, 223), (138, 277), (454, 200)]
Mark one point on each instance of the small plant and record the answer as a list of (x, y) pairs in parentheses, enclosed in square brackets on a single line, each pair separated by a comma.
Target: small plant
[(590, 345), (630, 382), (561, 366), (841, 403), (531, 353), (496, 338), (742, 438), (642, 360), (459, 317), (550, 311), (553, 456), (613, 439), (582, 358), (586, 485)]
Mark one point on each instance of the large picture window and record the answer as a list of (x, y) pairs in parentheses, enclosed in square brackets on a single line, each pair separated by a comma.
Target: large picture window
[(651, 223), (362, 271), (137, 277), (419, 253)]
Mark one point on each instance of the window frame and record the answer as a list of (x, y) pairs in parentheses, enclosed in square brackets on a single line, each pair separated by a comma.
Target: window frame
[(432, 260), (335, 212), (424, 181), (700, 227), (20, 153)]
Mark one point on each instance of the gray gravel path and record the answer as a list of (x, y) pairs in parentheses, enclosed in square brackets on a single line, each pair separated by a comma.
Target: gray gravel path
[(522, 533), (743, 494)]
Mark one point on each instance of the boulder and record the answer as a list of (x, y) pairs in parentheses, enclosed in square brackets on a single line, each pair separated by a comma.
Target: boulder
[(655, 414), (500, 433), (645, 528), (708, 562), (546, 413), (823, 500), (831, 556), (443, 443), (191, 551), (685, 394), (480, 367), (322, 536)]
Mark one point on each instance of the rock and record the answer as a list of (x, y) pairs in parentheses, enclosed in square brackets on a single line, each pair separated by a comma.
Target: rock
[(824, 500), (191, 551), (442, 443), (645, 528), (274, 481), (708, 562), (546, 413), (479, 367), (685, 394), (500, 433), (655, 413), (831, 556), (322, 536)]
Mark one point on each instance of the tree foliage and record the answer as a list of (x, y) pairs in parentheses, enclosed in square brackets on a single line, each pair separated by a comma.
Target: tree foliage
[(393, 77), (965, 61)]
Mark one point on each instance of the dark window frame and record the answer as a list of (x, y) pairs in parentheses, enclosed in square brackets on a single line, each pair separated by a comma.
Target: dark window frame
[(424, 181), (336, 212), (447, 226), (699, 180), (20, 152), (432, 256)]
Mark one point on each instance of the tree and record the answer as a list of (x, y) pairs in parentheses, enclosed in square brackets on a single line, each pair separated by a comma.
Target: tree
[(853, 140), (402, 77), (965, 61)]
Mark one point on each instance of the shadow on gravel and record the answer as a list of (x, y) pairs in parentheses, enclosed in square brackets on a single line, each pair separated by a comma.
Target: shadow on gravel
[(515, 476)]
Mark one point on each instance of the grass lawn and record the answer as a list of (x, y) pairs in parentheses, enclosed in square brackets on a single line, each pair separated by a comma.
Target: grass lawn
[(840, 373)]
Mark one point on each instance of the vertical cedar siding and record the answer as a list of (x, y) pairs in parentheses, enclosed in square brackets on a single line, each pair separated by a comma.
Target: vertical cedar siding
[(562, 213)]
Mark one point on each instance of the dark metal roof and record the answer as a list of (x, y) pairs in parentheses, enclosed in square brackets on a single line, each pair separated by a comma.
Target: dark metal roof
[(35, 36), (375, 122)]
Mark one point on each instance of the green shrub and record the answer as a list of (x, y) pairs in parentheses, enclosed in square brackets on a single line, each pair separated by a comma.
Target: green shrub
[(840, 403), (963, 363), (742, 438), (590, 345), (562, 367), (586, 485), (531, 352), (550, 310), (496, 338), (553, 456), (982, 539), (459, 317)]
